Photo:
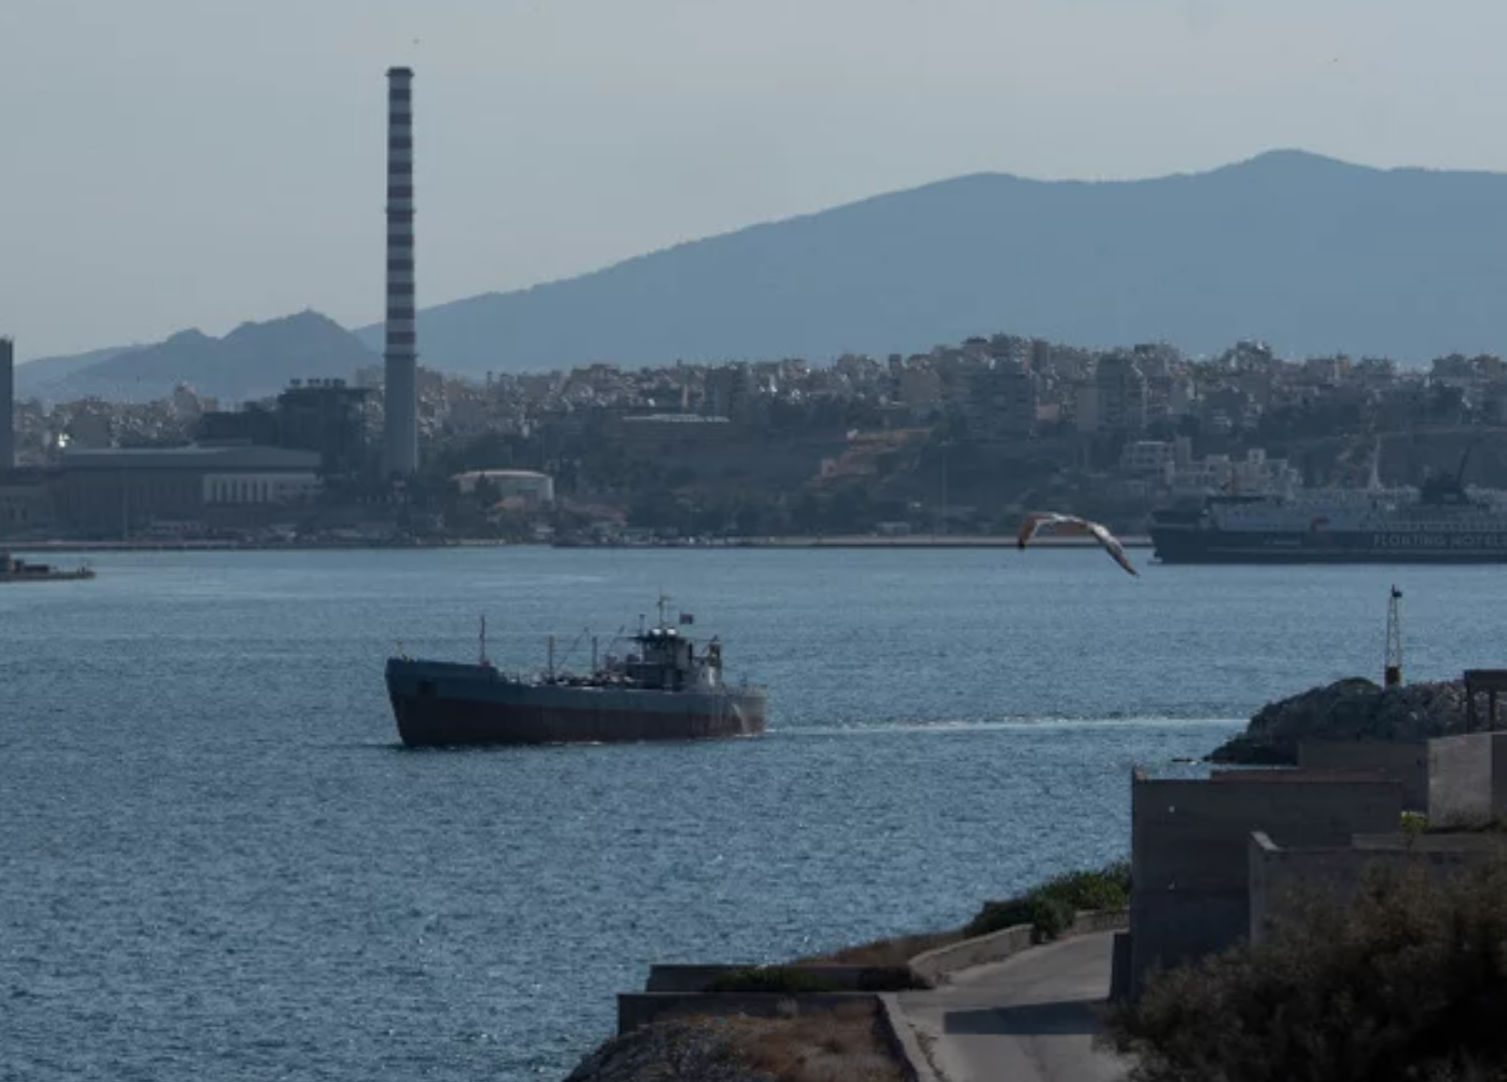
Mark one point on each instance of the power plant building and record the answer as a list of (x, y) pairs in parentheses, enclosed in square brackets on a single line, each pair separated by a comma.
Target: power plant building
[(400, 451), (119, 491)]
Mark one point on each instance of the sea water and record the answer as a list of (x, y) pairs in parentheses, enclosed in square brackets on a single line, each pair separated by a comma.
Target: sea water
[(217, 862)]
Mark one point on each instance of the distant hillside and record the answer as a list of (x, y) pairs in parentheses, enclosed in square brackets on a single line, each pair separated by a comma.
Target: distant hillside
[(252, 361), (44, 370), (1311, 254)]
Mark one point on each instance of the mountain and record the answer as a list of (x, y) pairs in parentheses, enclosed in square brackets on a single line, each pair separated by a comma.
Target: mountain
[(252, 361), (1310, 254), (44, 370)]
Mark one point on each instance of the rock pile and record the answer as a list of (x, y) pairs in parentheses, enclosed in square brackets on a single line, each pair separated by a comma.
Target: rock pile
[(1351, 709), (689, 1048)]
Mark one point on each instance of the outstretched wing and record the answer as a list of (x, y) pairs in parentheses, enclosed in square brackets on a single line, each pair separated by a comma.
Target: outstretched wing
[(1112, 546)]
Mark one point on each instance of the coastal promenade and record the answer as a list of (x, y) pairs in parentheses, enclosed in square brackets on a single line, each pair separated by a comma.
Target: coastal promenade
[(1030, 1018)]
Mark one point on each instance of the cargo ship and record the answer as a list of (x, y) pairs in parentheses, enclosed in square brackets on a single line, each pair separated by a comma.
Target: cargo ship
[(13, 569), (1441, 522), (661, 689)]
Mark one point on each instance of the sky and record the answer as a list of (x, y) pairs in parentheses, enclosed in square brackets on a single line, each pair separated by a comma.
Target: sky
[(176, 163)]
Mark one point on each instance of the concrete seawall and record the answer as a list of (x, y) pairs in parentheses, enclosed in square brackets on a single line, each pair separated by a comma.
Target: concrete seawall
[(936, 967)]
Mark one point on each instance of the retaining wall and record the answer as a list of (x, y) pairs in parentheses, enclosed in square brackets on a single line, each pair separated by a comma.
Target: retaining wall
[(937, 966), (635, 1009), (843, 978)]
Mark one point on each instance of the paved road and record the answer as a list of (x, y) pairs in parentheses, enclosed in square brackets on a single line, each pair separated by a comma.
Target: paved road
[(1030, 1018)]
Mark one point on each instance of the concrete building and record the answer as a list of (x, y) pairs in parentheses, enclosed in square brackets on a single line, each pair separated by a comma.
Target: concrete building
[(400, 451), (1468, 780), (27, 503), (1122, 394), (1405, 762), (1152, 459), (114, 493), (325, 416), (7, 405), (1001, 403), (1190, 861)]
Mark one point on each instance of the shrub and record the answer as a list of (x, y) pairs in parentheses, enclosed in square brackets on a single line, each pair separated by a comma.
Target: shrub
[(1050, 907), (1406, 984)]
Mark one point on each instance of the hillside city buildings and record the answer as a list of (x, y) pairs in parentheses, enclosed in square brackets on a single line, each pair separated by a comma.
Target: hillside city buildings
[(958, 439)]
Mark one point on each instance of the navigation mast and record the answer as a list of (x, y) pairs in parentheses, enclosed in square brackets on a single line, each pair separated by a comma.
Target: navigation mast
[(1392, 671)]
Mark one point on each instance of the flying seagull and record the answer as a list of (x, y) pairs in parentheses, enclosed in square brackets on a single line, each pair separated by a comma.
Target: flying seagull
[(1072, 525)]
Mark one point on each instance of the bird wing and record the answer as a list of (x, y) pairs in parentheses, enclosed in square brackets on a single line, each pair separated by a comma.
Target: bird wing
[(1112, 546), (1034, 522)]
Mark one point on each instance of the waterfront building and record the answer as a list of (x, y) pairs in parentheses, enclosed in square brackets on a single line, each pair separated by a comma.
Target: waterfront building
[(114, 492)]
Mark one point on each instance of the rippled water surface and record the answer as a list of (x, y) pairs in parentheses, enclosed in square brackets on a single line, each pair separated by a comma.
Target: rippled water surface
[(215, 862)]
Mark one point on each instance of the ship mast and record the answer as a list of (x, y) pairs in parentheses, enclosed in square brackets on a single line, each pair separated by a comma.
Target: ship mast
[(1392, 670)]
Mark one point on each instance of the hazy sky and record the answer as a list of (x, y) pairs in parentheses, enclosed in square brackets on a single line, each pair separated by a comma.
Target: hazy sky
[(173, 163)]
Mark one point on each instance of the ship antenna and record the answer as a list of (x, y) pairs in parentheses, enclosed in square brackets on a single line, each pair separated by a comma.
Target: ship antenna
[(484, 660), (663, 597)]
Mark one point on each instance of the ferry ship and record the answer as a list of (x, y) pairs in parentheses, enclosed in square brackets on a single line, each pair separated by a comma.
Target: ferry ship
[(662, 689), (1441, 522)]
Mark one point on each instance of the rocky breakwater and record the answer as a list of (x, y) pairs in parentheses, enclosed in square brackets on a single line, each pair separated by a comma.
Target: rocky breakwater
[(1351, 709)]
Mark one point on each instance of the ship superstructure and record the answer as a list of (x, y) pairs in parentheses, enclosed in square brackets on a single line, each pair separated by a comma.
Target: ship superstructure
[(661, 689)]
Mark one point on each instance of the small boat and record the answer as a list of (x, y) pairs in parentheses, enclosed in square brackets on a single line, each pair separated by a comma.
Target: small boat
[(661, 690), (13, 569)]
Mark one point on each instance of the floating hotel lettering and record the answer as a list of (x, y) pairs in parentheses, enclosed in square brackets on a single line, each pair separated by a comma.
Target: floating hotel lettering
[(1439, 540)]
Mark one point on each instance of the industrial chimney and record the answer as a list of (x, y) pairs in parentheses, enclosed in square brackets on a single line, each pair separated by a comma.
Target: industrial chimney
[(7, 405), (400, 451)]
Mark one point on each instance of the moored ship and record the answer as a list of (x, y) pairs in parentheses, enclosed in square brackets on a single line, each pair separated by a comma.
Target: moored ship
[(1441, 522), (661, 690), (14, 569)]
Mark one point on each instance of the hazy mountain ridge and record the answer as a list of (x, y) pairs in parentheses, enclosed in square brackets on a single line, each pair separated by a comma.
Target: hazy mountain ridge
[(252, 361), (1312, 254)]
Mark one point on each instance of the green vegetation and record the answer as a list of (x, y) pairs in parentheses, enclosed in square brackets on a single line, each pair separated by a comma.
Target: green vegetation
[(1051, 907), (1406, 983)]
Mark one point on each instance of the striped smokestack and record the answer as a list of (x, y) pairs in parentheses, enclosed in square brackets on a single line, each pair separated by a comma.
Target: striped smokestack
[(7, 405), (400, 452)]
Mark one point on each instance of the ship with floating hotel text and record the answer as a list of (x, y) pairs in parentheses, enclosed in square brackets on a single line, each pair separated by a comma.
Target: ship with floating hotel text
[(1440, 522)]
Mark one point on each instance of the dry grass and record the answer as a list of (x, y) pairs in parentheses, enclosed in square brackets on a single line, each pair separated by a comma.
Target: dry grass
[(842, 1045), (887, 952)]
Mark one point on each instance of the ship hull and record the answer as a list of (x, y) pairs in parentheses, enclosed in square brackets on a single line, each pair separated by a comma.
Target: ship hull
[(437, 704), (1183, 545)]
